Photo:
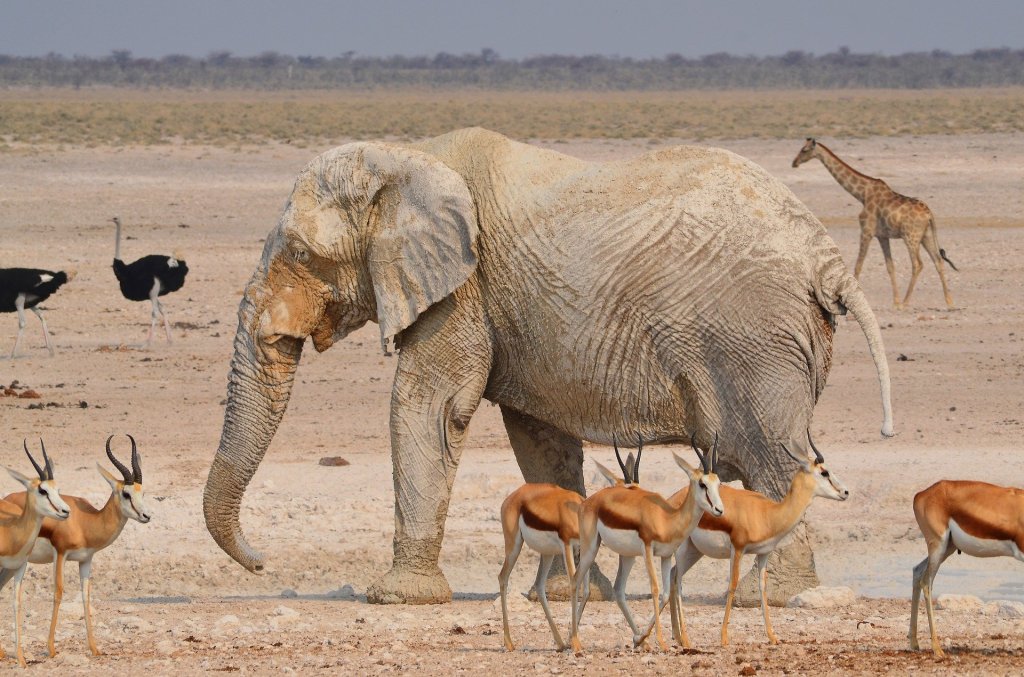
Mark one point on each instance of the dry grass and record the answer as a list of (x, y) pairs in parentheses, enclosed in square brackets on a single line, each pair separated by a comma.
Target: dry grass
[(123, 116)]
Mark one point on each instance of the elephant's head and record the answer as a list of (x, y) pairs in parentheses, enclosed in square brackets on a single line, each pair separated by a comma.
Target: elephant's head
[(371, 232)]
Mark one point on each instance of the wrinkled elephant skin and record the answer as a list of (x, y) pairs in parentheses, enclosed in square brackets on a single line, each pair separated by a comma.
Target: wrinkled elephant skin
[(684, 290)]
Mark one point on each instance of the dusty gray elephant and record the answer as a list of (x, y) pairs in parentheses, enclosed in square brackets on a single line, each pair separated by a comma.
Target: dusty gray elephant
[(682, 290)]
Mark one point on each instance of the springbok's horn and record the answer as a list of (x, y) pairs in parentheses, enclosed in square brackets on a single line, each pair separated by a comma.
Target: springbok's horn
[(117, 464), (136, 465), (39, 471), (639, 451), (817, 454), (700, 456), (714, 454), (47, 463), (622, 466)]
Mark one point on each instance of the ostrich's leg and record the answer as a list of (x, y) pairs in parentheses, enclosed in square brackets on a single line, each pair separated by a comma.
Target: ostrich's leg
[(167, 326), (46, 331), (154, 315), (19, 304)]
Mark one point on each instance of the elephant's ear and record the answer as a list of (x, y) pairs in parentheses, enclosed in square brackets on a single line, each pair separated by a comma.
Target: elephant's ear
[(424, 243)]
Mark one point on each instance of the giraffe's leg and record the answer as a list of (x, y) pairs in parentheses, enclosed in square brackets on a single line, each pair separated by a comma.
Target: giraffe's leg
[(19, 305), (511, 555), (85, 573), (58, 594), (867, 231), (762, 583), (914, 249), (932, 248), (889, 266)]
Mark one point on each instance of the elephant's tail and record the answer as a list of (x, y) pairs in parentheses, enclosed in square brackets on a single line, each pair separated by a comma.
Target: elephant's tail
[(853, 299)]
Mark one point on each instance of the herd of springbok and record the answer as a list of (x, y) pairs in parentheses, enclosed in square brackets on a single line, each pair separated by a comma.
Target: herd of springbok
[(707, 518), (40, 526)]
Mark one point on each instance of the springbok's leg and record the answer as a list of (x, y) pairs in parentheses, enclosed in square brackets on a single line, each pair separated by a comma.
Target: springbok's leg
[(652, 573), (734, 580), (621, 578), (762, 584), (590, 542), (542, 595), (935, 559), (19, 575), (663, 600), (85, 572), (684, 562), (58, 594), (915, 600), (513, 547)]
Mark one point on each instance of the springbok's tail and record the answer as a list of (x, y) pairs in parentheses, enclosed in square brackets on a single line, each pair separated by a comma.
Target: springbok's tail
[(942, 252), (852, 297)]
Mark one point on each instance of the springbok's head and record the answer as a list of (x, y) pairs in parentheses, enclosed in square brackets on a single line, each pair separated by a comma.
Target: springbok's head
[(825, 482), (42, 494), (806, 153), (704, 483), (128, 492)]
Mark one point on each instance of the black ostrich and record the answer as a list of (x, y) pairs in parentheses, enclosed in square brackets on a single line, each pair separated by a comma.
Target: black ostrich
[(148, 278), (22, 288)]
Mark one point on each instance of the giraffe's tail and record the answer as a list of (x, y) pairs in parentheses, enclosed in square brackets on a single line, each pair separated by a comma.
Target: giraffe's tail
[(942, 252)]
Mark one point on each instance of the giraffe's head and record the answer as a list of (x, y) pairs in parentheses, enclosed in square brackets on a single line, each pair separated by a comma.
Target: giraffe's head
[(806, 153)]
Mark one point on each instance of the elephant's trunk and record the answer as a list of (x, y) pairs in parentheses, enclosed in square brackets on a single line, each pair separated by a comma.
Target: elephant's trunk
[(259, 386), (857, 304)]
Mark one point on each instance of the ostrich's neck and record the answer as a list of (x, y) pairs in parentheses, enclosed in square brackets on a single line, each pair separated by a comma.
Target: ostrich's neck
[(117, 241)]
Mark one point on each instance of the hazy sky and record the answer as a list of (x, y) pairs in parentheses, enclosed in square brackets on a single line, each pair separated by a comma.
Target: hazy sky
[(514, 28)]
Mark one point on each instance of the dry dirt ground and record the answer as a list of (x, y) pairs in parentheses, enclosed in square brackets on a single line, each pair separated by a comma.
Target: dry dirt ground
[(168, 600)]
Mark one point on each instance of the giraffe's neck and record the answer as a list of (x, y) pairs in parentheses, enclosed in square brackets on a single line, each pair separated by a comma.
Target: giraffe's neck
[(855, 183)]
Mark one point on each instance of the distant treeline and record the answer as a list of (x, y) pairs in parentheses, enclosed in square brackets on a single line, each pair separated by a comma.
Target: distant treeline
[(486, 70)]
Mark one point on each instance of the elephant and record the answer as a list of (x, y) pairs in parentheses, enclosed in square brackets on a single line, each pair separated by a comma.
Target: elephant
[(685, 292)]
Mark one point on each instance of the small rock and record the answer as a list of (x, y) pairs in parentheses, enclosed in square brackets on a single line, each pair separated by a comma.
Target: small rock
[(949, 602), (288, 593), (344, 592), (333, 461), (748, 670), (29, 395), (1006, 608), (823, 598), (285, 611)]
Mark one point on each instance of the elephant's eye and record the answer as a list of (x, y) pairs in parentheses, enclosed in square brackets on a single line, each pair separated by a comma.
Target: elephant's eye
[(300, 254)]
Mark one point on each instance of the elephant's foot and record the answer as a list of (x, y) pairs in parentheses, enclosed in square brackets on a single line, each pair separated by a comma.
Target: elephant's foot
[(558, 588), (790, 571), (406, 585)]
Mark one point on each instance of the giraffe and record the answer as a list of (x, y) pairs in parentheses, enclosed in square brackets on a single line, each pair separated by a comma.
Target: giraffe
[(886, 214)]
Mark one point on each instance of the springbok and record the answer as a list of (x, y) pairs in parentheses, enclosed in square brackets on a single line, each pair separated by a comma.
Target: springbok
[(755, 524), (634, 522), (18, 532), (546, 518), (976, 518), (85, 532)]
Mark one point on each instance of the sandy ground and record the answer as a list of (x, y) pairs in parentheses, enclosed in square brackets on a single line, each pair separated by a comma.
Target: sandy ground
[(167, 599)]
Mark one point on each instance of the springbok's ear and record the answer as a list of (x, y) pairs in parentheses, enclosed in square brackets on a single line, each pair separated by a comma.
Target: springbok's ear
[(804, 462), (25, 481), (424, 246), (690, 471), (111, 480), (609, 476)]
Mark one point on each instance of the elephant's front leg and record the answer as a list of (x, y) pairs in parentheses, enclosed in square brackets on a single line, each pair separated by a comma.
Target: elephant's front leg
[(442, 371)]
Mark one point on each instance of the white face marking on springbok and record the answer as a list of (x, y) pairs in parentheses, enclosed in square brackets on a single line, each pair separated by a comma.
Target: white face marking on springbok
[(707, 487), (827, 484), (130, 497), (48, 500)]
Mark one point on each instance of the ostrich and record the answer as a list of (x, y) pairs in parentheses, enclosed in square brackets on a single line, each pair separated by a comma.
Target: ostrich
[(22, 288), (149, 278)]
